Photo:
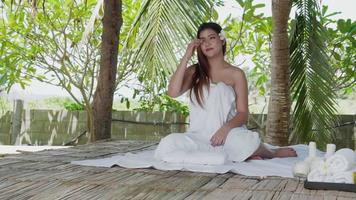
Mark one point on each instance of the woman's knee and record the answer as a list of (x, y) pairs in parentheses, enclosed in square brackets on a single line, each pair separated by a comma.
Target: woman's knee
[(170, 143), (172, 138)]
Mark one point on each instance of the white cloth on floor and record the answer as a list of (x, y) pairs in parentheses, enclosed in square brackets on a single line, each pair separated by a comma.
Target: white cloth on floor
[(271, 167), (219, 106), (342, 160)]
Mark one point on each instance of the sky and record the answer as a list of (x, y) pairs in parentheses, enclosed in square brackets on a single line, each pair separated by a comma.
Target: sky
[(347, 7), (38, 90)]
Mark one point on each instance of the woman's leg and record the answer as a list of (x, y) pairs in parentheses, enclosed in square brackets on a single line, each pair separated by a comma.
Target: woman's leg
[(264, 152)]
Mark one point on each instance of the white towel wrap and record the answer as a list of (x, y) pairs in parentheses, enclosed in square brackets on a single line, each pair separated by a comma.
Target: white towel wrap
[(194, 146)]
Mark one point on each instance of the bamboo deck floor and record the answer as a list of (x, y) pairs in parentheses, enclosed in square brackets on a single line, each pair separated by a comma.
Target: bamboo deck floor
[(49, 175)]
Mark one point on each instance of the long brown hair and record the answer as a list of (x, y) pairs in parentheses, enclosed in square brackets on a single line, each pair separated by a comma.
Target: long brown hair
[(201, 76)]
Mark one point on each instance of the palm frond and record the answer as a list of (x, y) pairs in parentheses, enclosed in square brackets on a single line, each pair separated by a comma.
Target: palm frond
[(158, 35), (311, 77)]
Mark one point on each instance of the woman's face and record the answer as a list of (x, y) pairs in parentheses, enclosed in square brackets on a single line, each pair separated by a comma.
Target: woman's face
[(211, 45)]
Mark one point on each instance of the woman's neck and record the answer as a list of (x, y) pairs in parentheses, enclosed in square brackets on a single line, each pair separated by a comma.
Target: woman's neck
[(217, 63)]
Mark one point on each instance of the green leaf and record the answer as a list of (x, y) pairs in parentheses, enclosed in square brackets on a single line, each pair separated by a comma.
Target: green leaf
[(260, 5), (342, 26), (312, 77), (337, 56)]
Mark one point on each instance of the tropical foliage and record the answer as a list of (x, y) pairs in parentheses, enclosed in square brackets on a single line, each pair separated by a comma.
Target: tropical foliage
[(163, 103), (250, 38), (157, 39), (16, 54), (315, 63), (341, 49), (311, 76), (52, 35)]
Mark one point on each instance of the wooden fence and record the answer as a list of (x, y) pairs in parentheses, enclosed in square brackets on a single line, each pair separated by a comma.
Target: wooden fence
[(60, 127)]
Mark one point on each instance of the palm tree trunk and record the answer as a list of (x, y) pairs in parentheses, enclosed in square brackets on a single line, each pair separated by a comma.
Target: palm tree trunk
[(279, 103), (103, 97)]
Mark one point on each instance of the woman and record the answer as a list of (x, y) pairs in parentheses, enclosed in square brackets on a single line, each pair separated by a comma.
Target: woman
[(218, 110)]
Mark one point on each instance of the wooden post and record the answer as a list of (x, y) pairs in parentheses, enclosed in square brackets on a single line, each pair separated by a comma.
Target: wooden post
[(354, 129), (16, 120)]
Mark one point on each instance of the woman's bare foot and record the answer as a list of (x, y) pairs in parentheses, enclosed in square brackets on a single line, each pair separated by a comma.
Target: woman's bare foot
[(284, 152), (255, 158)]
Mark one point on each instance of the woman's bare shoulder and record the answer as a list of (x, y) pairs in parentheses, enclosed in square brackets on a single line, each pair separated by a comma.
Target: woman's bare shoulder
[(235, 70), (234, 74)]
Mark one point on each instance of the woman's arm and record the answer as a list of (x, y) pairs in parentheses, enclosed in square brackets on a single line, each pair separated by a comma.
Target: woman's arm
[(240, 87), (182, 77)]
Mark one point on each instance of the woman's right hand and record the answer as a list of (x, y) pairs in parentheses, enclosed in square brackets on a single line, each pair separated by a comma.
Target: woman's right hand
[(192, 46)]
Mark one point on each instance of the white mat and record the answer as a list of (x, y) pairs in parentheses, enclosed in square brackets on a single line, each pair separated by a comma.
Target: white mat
[(270, 167)]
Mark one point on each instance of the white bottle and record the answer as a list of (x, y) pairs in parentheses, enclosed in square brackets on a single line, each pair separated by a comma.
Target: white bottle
[(330, 150), (312, 149), (312, 153), (301, 169)]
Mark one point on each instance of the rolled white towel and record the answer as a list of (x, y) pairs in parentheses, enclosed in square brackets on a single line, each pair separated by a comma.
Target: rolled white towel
[(317, 175), (206, 158), (175, 143), (341, 177), (342, 160), (174, 157)]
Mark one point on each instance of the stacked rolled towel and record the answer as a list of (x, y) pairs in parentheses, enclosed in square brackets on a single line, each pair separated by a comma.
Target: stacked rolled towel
[(318, 172), (337, 168), (341, 177), (342, 160)]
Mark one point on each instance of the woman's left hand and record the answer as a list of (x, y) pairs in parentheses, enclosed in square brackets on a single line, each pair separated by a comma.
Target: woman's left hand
[(220, 136)]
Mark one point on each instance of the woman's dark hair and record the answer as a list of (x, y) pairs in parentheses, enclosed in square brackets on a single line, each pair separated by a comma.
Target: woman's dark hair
[(201, 76)]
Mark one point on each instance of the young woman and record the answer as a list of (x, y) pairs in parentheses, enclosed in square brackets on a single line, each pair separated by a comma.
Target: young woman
[(218, 109)]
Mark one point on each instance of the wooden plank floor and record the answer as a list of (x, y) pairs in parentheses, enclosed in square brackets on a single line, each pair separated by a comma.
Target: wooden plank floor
[(49, 175)]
